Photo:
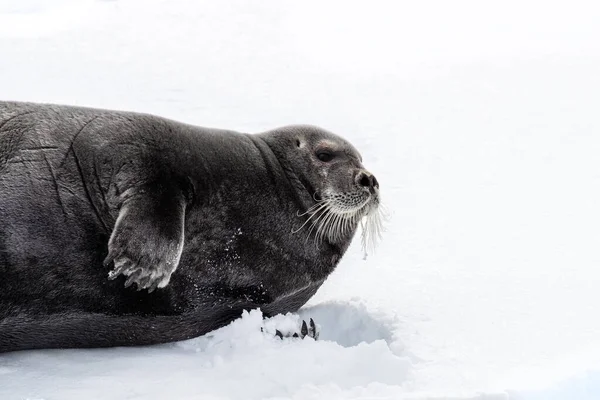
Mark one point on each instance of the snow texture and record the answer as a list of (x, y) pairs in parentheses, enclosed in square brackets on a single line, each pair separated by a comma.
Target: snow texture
[(480, 121)]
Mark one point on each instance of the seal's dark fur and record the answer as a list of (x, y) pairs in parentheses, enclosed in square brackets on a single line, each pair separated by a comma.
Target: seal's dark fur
[(65, 175)]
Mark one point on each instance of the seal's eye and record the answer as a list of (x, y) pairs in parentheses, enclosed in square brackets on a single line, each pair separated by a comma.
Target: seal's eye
[(325, 156)]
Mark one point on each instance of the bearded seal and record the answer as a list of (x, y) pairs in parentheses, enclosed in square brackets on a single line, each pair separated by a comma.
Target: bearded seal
[(123, 229)]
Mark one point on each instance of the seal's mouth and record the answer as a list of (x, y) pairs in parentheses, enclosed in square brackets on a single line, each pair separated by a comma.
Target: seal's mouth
[(335, 216), (352, 204)]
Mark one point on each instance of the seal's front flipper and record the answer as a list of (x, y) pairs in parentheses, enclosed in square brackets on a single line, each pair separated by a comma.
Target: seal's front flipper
[(147, 240), (309, 330)]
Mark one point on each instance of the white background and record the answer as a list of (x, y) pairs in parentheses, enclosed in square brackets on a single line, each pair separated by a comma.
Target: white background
[(481, 122)]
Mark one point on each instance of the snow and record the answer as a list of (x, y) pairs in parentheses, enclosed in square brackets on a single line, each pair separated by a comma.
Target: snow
[(480, 121)]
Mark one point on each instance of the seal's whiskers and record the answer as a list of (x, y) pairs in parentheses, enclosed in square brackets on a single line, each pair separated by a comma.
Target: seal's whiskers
[(333, 218), (323, 224), (319, 220), (314, 210), (372, 229)]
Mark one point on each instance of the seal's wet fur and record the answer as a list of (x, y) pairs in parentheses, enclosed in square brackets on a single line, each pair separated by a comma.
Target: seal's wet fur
[(203, 217)]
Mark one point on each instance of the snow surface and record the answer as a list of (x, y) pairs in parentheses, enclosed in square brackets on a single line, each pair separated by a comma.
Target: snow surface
[(480, 120)]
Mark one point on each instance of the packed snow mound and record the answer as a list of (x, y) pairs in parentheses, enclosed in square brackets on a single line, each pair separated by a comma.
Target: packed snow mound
[(582, 386), (225, 363)]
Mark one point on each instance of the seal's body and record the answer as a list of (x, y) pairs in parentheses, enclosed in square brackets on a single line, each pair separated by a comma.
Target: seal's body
[(194, 224)]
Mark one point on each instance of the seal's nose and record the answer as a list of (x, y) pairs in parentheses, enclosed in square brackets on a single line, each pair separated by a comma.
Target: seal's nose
[(367, 180)]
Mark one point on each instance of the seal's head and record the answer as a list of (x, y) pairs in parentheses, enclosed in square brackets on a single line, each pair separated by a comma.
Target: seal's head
[(338, 191)]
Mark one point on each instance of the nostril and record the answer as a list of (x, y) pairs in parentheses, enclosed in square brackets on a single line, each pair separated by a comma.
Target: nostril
[(364, 180), (375, 183)]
